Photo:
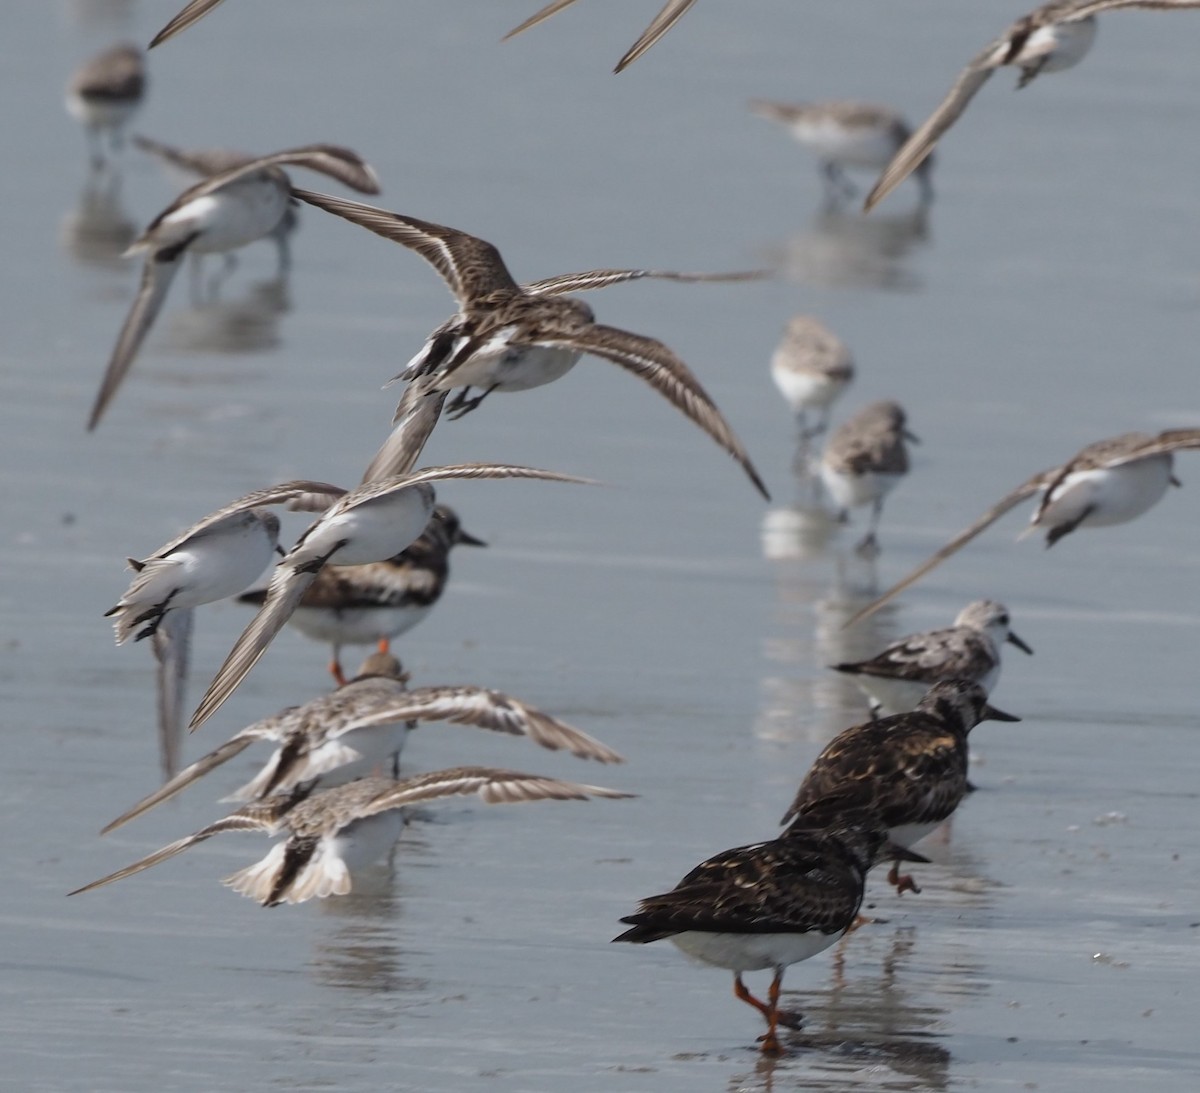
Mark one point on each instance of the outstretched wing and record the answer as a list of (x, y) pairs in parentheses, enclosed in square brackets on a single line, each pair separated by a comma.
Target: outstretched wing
[(192, 13), (602, 278)]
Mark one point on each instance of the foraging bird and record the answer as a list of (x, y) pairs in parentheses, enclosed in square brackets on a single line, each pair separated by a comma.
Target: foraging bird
[(104, 93)]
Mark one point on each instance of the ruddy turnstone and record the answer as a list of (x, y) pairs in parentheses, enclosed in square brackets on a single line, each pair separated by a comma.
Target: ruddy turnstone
[(1109, 482), (366, 721), (811, 367), (225, 211), (375, 521), (333, 832), (770, 904), (104, 93), (368, 604), (844, 133), (509, 338), (670, 14), (898, 678), (193, 163), (864, 459), (1055, 36), (912, 767)]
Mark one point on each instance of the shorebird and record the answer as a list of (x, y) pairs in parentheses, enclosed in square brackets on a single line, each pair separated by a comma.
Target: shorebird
[(897, 678), (670, 14), (1055, 36), (375, 521), (844, 133), (1109, 482), (864, 460), (193, 163), (771, 904), (371, 604), (104, 93), (506, 337), (811, 367), (367, 721), (338, 830), (223, 212), (911, 767)]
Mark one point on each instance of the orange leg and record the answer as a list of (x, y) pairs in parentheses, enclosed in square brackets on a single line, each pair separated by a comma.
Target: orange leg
[(903, 883), (335, 670), (385, 645), (740, 991), (770, 1042)]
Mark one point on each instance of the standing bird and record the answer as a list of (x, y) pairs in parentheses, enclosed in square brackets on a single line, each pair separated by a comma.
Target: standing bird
[(864, 460), (104, 93), (367, 721), (670, 14), (373, 603), (897, 678), (844, 133), (225, 211), (770, 904), (509, 338), (368, 524), (1109, 482), (911, 767), (1055, 36), (811, 367), (338, 830)]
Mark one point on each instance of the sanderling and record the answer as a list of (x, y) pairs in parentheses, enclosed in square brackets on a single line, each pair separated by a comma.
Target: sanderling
[(844, 133), (509, 338), (911, 767), (771, 904), (375, 521), (811, 367), (337, 830), (104, 93), (225, 211), (1109, 482), (897, 678), (864, 460), (1053, 37), (366, 722)]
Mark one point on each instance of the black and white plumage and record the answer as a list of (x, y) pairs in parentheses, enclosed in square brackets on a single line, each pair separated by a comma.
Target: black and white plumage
[(1050, 38), (225, 211), (372, 522), (672, 11), (897, 678), (910, 769), (337, 830), (366, 721), (373, 603), (1108, 482), (770, 904), (506, 337)]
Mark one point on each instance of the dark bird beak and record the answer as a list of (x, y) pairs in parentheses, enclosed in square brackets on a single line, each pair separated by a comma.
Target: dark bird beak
[(896, 852), (990, 713), (911, 437), (467, 539), (1012, 639), (280, 551)]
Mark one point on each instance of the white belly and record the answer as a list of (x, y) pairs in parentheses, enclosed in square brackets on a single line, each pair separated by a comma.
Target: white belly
[(356, 625), (366, 841), (851, 490), (907, 834), (1115, 495), (894, 695), (373, 531), (858, 146), (216, 566), (751, 952), (101, 113), (1062, 44), (506, 367), (230, 218), (806, 390)]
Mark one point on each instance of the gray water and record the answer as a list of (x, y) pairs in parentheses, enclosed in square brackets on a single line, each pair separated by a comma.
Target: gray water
[(1052, 299)]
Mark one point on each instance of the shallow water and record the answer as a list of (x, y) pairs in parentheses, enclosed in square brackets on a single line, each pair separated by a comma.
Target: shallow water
[(1051, 299)]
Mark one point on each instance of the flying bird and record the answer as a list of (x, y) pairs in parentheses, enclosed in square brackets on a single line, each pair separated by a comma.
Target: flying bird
[(1109, 482), (1055, 36)]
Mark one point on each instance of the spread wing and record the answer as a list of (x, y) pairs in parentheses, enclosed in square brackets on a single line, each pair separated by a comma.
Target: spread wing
[(192, 13), (483, 709), (172, 645), (471, 267), (418, 412), (667, 374), (1010, 500), (602, 278), (671, 13)]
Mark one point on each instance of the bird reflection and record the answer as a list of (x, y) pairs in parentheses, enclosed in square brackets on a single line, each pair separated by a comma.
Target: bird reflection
[(843, 248), (97, 231), (876, 1016), (248, 323)]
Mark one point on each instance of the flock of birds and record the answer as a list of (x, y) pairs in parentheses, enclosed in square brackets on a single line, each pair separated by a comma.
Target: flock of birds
[(374, 560)]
